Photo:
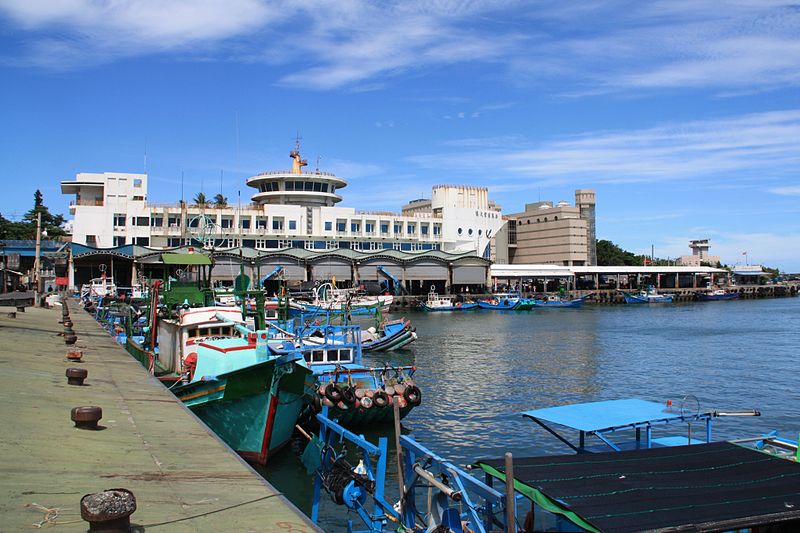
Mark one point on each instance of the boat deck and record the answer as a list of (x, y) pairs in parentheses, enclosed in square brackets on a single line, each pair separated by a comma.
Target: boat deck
[(183, 477)]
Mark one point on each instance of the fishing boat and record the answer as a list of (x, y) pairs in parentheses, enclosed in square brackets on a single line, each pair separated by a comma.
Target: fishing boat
[(665, 483), (554, 301), (501, 301), (355, 394), (249, 397), (647, 296), (716, 294), (180, 315), (98, 288), (328, 298), (388, 336), (438, 302)]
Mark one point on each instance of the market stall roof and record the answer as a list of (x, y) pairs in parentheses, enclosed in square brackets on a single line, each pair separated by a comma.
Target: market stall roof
[(185, 259), (717, 487)]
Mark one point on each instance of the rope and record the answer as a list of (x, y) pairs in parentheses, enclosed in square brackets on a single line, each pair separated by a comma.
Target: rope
[(213, 512)]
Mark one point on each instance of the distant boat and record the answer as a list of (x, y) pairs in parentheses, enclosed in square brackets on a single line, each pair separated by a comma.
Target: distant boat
[(647, 296), (716, 294), (557, 302), (502, 301), (437, 302)]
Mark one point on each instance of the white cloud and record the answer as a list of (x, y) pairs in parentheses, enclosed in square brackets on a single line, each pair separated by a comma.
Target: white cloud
[(769, 249), (792, 190), (763, 143)]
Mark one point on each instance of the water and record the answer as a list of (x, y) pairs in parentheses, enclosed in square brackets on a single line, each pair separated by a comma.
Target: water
[(478, 370)]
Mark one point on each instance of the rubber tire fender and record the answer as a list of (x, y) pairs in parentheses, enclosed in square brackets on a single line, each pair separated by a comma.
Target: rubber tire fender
[(349, 395), (413, 395), (333, 393), (380, 399)]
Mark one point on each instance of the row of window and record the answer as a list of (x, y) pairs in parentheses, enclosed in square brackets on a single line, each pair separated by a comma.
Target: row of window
[(291, 186), (329, 356), (280, 244), (369, 228), (470, 232)]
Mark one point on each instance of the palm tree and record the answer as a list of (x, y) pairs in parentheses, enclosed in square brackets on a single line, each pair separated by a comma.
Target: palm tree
[(200, 200), (220, 201)]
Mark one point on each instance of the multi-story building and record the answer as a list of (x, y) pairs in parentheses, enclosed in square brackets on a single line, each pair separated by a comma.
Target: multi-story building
[(699, 255), (558, 234), (290, 209)]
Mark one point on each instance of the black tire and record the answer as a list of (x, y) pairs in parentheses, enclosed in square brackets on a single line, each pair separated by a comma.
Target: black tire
[(333, 393), (316, 404), (380, 399), (413, 395), (349, 396)]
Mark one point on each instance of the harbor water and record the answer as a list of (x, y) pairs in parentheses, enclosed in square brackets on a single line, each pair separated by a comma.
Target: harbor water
[(478, 370)]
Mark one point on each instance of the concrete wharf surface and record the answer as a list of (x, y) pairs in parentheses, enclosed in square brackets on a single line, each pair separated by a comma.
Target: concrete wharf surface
[(183, 477)]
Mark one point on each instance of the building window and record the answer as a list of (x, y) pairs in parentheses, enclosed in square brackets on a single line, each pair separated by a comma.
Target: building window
[(384, 228), (118, 241), (226, 222), (460, 231), (355, 245), (369, 227), (261, 222), (423, 228), (410, 229), (328, 226), (341, 225), (277, 224), (142, 241), (398, 228), (261, 244), (141, 221), (138, 198), (437, 229), (174, 221), (244, 223), (470, 232), (355, 227), (156, 222), (119, 219), (137, 183), (292, 224), (324, 187)]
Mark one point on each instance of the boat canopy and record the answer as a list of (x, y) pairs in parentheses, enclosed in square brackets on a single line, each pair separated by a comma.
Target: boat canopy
[(185, 259), (713, 487), (605, 417)]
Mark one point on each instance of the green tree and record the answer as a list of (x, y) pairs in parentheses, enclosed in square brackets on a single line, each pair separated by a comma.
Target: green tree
[(220, 201), (609, 254), (200, 200), (15, 230), (50, 223)]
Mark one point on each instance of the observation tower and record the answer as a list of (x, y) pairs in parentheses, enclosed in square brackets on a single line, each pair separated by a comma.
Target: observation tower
[(296, 186)]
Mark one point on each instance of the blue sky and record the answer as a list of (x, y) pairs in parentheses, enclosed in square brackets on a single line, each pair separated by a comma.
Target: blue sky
[(683, 115)]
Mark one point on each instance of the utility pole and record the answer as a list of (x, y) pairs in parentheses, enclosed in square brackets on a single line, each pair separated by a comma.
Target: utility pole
[(37, 264)]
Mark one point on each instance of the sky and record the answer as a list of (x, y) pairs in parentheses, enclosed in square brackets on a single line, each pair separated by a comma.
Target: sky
[(683, 115)]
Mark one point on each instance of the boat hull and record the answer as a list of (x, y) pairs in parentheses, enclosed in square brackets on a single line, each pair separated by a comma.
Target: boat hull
[(246, 410), (499, 306), (462, 307), (571, 304), (634, 299), (715, 297)]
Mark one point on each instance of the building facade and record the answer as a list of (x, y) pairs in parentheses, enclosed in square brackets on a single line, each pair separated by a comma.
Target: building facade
[(556, 234), (291, 208), (699, 255)]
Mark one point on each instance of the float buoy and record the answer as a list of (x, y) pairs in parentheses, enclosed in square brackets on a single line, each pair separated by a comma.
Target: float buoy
[(380, 399), (332, 392), (413, 395)]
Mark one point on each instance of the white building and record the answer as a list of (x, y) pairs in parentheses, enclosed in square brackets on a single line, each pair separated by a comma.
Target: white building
[(699, 255), (290, 209)]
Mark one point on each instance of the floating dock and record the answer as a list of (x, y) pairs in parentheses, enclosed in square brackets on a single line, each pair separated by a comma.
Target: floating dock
[(183, 477)]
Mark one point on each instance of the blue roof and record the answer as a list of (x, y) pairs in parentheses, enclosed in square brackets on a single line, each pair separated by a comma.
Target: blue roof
[(596, 416)]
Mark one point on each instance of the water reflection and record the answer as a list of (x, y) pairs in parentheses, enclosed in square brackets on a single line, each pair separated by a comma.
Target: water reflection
[(478, 370)]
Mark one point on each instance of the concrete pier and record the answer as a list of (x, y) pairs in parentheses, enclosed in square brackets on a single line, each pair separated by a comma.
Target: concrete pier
[(183, 477)]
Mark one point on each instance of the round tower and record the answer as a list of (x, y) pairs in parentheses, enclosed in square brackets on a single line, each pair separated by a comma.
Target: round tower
[(296, 186)]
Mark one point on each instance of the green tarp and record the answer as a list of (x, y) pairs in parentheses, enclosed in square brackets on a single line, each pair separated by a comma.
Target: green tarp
[(185, 259)]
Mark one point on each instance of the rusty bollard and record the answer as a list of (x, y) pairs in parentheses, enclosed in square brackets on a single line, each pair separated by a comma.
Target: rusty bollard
[(75, 376), (86, 417), (69, 334), (74, 355), (109, 511)]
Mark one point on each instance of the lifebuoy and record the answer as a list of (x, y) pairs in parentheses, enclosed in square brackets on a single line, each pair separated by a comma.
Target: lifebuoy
[(413, 395), (380, 399), (333, 393), (366, 402)]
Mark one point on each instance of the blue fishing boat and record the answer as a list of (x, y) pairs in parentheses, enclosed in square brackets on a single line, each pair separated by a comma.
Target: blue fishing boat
[(557, 302), (502, 301), (438, 302), (648, 296), (665, 483), (716, 294), (356, 395), (388, 336), (250, 398)]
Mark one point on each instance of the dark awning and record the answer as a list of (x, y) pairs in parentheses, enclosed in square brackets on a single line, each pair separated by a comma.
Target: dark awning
[(716, 486)]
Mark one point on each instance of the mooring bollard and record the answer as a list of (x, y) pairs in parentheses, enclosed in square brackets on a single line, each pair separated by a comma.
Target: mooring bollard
[(109, 511), (75, 376), (86, 417)]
